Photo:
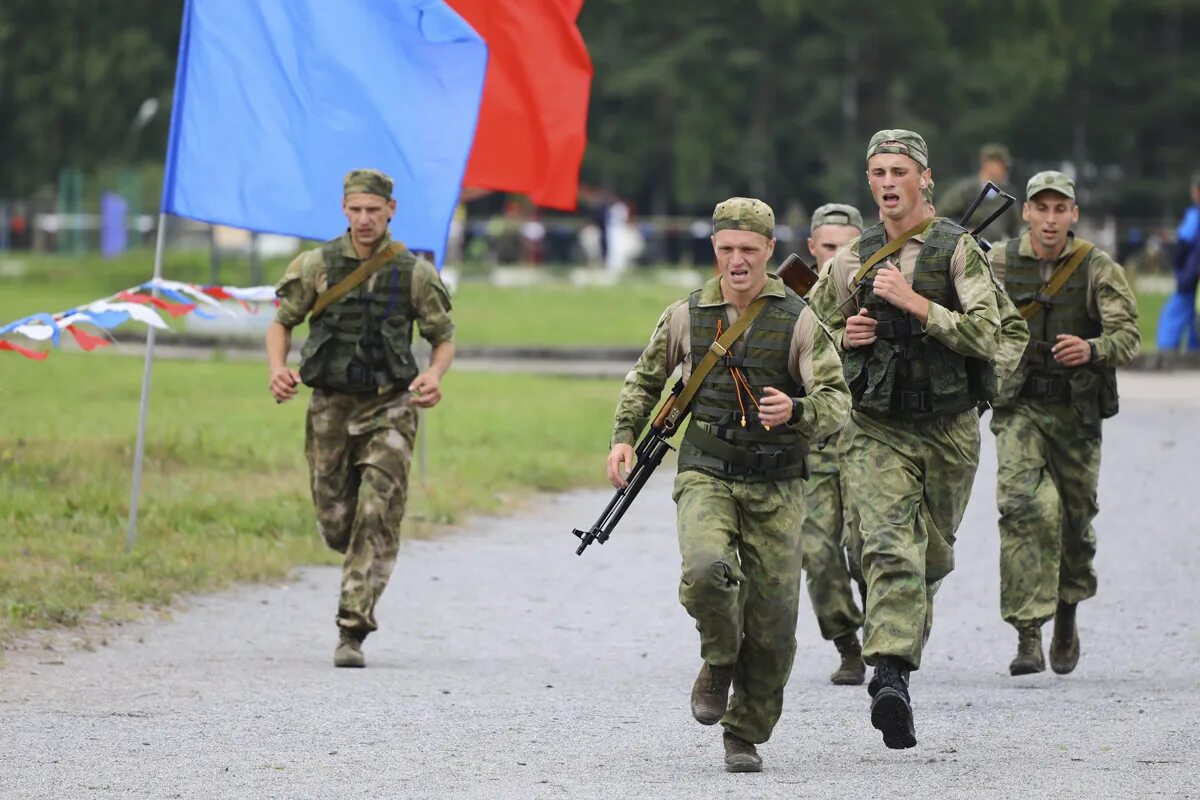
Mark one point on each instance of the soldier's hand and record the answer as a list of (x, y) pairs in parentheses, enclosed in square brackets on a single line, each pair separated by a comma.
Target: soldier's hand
[(621, 455), (426, 389), (775, 407), (892, 286), (1071, 351), (860, 330), (283, 383)]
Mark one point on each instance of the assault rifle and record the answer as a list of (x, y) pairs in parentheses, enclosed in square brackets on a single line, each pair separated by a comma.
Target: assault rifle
[(654, 445), (648, 455)]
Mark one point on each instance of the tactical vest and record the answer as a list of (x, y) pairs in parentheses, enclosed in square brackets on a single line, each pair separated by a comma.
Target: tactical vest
[(715, 442), (906, 373), (1091, 388), (363, 342)]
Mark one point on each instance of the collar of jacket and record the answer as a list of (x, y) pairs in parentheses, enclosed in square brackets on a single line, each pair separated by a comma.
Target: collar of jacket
[(710, 293)]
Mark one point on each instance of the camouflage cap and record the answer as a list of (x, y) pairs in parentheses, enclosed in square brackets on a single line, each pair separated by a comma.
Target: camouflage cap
[(905, 143), (836, 214), (744, 214), (1050, 181), (999, 152), (368, 181)]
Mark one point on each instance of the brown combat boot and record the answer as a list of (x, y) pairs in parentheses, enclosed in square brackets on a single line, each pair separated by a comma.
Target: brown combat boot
[(349, 650), (1064, 643), (710, 693), (740, 755), (1029, 657), (852, 671)]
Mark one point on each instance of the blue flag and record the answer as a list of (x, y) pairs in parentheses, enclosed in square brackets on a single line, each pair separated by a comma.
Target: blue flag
[(276, 100)]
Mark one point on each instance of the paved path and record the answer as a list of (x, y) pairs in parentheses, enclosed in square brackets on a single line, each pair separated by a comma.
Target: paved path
[(509, 668)]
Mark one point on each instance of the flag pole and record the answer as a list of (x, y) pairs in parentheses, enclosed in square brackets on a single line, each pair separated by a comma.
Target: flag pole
[(140, 447)]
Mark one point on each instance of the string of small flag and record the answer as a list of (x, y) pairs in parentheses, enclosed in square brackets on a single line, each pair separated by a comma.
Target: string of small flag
[(140, 304)]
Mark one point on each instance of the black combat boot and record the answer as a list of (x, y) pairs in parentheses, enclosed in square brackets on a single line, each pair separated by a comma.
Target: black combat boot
[(891, 709), (349, 650), (1029, 650), (710, 693), (740, 755), (852, 670), (1064, 643)]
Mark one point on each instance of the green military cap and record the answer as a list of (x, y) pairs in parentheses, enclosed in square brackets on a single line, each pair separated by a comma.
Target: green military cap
[(1050, 181), (995, 151), (906, 143), (836, 214), (744, 214), (368, 181)]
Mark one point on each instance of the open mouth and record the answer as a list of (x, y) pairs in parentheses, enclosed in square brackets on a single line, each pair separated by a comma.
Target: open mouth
[(739, 272), (890, 199)]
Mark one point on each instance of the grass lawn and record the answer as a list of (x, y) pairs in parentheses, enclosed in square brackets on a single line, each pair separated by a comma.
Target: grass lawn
[(225, 492)]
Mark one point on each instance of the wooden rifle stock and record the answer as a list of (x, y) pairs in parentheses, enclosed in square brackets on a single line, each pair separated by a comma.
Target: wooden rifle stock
[(796, 275)]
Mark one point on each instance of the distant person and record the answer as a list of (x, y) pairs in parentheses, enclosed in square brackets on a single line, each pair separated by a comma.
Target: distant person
[(739, 490), (1082, 321), (826, 572), (994, 164), (1179, 312), (362, 416)]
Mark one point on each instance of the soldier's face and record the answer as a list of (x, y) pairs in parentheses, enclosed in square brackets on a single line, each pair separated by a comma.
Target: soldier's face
[(368, 215), (895, 181), (1050, 216), (828, 239), (742, 259)]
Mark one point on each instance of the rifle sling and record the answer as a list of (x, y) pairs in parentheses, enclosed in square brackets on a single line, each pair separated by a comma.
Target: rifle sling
[(1058, 280), (892, 246), (716, 351), (351, 281)]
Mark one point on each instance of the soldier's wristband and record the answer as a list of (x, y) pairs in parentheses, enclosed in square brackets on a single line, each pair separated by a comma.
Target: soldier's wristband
[(1095, 352)]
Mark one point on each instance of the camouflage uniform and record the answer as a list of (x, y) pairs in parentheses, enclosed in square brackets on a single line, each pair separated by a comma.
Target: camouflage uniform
[(1049, 449), (826, 571), (902, 535), (739, 535), (359, 445)]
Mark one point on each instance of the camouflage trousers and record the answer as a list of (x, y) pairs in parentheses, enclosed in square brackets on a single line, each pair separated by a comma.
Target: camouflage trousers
[(822, 545), (740, 543), (359, 448), (1046, 493), (907, 485)]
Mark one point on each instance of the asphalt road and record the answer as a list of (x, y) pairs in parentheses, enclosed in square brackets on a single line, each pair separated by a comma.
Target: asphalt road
[(509, 668)]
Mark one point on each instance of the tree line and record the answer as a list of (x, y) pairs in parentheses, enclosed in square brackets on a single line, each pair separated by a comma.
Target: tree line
[(696, 100)]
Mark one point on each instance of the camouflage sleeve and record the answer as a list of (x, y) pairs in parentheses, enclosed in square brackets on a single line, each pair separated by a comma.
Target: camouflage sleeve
[(644, 384), (1014, 332), (826, 402), (973, 331), (297, 289), (1117, 309), (829, 299), (431, 301)]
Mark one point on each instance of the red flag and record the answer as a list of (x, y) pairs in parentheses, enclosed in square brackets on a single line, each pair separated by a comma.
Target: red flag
[(533, 121), (174, 309), (86, 340), (34, 354)]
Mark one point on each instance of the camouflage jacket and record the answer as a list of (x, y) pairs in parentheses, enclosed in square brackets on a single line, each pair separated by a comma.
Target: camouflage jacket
[(305, 278), (1110, 302), (973, 331), (812, 361)]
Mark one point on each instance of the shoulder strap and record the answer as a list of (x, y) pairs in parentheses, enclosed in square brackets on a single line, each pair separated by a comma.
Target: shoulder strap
[(892, 247), (1058, 280), (347, 284), (717, 350)]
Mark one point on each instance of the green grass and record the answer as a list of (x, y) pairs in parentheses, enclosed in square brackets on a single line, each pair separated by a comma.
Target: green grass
[(225, 491)]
